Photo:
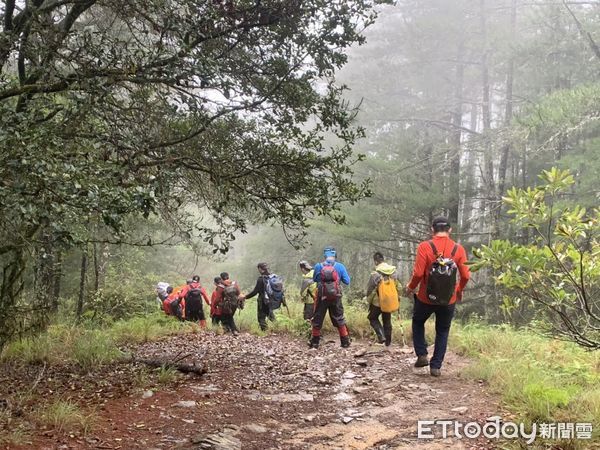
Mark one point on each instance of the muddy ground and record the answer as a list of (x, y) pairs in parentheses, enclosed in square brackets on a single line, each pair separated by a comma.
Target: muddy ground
[(270, 392)]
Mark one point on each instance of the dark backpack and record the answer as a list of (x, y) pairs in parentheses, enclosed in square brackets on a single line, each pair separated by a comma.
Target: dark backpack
[(441, 282), (274, 290), (330, 284), (194, 297), (230, 299)]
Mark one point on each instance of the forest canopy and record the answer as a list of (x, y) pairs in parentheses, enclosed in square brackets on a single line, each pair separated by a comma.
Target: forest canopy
[(111, 112)]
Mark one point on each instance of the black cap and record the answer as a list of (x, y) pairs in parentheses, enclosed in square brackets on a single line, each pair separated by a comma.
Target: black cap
[(440, 222), (196, 278)]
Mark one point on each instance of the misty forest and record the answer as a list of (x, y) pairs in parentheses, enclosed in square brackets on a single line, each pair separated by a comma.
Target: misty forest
[(207, 207)]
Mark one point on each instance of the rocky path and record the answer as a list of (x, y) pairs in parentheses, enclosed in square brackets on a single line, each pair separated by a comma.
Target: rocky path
[(274, 392)]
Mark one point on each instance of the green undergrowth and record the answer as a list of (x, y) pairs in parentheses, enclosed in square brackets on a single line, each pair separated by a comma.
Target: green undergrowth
[(89, 347), (539, 380)]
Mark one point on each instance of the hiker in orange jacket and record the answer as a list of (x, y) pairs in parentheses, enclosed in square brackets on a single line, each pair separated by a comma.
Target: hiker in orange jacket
[(439, 260), (193, 294), (172, 304), (215, 308)]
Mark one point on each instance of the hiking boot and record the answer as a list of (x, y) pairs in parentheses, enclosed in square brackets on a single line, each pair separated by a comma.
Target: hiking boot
[(388, 340), (435, 372), (422, 361), (345, 341), (314, 342)]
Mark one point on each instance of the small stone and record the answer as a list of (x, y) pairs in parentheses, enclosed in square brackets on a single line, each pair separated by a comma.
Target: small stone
[(343, 397), (362, 362), (255, 428), (349, 375), (360, 389), (147, 394), (347, 419), (185, 404), (309, 418), (460, 409), (359, 353)]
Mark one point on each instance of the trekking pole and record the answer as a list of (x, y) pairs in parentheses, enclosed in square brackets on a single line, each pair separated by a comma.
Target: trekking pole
[(401, 329), (287, 309)]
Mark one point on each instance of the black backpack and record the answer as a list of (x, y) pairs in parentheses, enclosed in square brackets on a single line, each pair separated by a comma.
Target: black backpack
[(442, 277), (194, 297)]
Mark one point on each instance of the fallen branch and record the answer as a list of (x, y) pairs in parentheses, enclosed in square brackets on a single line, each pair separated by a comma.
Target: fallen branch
[(197, 369), (181, 367)]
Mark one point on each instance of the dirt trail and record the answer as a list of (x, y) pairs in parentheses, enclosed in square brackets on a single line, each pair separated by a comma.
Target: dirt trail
[(274, 392)]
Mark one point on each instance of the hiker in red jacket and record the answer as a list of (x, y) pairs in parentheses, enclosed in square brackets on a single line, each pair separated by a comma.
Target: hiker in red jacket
[(228, 297), (215, 308), (439, 261), (193, 294)]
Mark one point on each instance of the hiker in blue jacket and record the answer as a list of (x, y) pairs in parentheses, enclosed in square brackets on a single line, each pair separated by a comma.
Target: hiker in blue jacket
[(329, 275)]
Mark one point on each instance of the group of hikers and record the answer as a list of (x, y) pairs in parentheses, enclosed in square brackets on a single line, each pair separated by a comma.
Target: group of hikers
[(186, 302), (438, 280)]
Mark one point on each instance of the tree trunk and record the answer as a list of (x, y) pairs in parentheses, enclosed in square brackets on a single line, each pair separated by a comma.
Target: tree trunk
[(485, 106), (82, 277), (43, 281), (57, 278), (508, 116), (456, 136), (96, 267)]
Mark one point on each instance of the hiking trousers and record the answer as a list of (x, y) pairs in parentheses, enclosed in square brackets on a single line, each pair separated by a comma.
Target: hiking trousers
[(194, 312), (382, 332), (336, 314), (309, 310), (228, 322), (264, 312), (443, 320)]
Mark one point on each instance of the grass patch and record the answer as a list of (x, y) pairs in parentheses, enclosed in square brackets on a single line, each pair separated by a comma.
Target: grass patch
[(66, 416), (87, 347), (93, 349), (16, 436), (148, 328), (166, 375), (539, 379)]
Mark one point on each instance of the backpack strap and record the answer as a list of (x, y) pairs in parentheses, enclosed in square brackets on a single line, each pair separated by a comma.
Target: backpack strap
[(435, 252), (454, 250)]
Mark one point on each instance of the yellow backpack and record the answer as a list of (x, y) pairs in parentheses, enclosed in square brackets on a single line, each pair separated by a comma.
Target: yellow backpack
[(388, 295)]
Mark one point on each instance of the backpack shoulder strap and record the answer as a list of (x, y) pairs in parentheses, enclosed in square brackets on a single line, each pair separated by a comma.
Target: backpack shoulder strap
[(454, 250), (432, 245)]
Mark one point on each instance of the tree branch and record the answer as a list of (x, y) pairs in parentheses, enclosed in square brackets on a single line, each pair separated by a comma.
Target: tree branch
[(583, 32)]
